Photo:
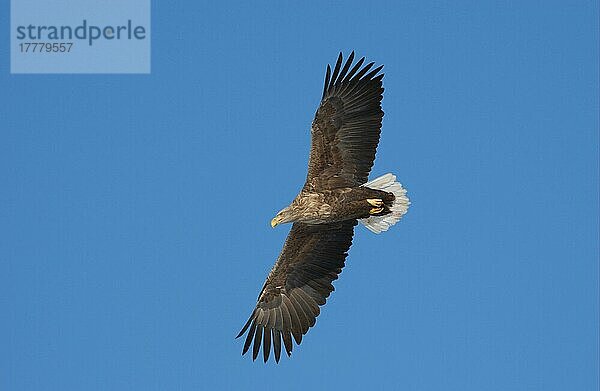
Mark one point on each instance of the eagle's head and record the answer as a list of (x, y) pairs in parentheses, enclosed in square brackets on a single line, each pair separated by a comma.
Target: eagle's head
[(286, 215)]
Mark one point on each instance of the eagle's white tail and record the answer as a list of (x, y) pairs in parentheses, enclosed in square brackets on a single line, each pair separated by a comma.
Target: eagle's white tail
[(387, 182)]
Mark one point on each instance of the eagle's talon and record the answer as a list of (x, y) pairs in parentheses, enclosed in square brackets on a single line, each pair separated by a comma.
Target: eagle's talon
[(375, 211), (376, 202)]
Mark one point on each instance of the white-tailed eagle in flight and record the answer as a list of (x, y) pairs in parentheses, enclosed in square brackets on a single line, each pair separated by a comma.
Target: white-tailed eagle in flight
[(337, 194)]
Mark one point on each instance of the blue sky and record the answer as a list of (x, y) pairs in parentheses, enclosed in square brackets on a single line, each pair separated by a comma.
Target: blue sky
[(135, 209)]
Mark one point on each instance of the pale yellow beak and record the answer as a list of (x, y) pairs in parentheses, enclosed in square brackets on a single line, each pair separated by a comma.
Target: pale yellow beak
[(274, 222)]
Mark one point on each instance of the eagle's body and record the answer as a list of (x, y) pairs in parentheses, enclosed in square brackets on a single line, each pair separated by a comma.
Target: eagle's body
[(332, 205), (336, 195)]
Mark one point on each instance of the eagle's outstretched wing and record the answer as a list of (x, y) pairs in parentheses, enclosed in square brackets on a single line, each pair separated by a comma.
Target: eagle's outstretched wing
[(345, 130), (300, 282)]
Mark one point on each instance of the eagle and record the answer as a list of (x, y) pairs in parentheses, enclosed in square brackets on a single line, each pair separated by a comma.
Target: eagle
[(335, 197)]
